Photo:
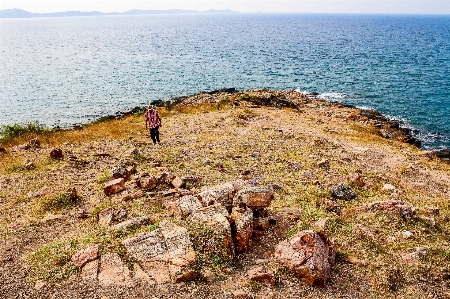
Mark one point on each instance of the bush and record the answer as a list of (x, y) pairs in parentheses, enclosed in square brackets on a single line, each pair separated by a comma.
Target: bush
[(8, 132)]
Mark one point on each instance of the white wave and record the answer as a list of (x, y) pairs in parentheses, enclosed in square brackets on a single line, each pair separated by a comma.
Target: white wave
[(332, 96)]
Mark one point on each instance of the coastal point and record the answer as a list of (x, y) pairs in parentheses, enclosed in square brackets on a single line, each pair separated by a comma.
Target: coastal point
[(250, 194)]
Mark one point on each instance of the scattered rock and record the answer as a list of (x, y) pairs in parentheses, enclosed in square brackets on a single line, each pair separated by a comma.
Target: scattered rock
[(240, 294), (389, 188), (113, 271), (105, 216), (222, 194), (253, 197), (51, 217), (130, 195), (208, 275), (120, 215), (81, 257), (131, 222), (56, 154), (90, 270), (147, 183), (114, 186), (121, 172), (430, 221), (404, 209), (324, 163), (411, 258), (308, 255), (215, 218), (242, 228), (406, 234), (177, 182), (39, 285), (261, 274), (21, 147), (356, 179), (166, 254), (363, 232), (35, 143), (342, 191), (3, 150)]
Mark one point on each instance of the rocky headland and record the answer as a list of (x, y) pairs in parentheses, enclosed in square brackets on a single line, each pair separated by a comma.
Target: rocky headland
[(251, 194)]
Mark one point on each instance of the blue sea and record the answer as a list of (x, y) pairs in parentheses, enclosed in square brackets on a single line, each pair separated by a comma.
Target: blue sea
[(73, 70)]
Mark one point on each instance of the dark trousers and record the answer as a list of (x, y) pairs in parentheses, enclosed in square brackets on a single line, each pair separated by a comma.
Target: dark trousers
[(154, 134)]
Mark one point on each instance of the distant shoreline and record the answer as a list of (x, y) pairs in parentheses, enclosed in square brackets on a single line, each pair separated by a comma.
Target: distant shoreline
[(23, 14)]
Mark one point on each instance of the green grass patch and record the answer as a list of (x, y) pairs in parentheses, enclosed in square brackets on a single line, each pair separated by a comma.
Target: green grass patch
[(10, 132)]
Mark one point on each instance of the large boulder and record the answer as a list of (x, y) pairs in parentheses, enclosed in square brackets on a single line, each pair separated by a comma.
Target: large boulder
[(211, 233), (222, 194), (165, 254), (184, 206), (309, 255), (253, 197), (113, 271), (242, 228)]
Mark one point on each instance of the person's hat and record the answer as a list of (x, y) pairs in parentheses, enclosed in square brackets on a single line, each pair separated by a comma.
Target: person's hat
[(150, 107)]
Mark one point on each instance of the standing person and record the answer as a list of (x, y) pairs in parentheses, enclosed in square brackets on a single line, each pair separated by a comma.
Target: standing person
[(153, 122)]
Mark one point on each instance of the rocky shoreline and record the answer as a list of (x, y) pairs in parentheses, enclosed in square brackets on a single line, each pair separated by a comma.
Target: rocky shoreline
[(388, 128)]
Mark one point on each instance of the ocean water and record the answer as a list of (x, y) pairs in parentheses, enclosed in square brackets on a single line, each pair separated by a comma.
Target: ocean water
[(66, 71)]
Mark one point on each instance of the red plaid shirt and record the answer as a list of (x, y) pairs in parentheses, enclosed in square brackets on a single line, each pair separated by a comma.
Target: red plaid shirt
[(152, 118)]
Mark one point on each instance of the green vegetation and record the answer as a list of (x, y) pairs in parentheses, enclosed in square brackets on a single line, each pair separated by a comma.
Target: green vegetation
[(9, 132)]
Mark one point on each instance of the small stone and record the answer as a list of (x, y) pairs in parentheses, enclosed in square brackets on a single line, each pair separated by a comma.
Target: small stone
[(389, 188), (105, 216), (406, 234), (30, 165), (356, 179), (177, 182), (120, 215), (35, 143), (261, 274), (342, 191), (56, 154), (82, 214), (39, 285), (121, 172), (114, 186), (90, 270), (51, 218), (208, 275), (21, 147), (147, 183), (3, 150), (81, 257), (131, 222), (363, 232), (324, 163)]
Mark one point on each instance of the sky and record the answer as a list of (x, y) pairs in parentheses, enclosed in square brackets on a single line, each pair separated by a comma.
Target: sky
[(305, 6)]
